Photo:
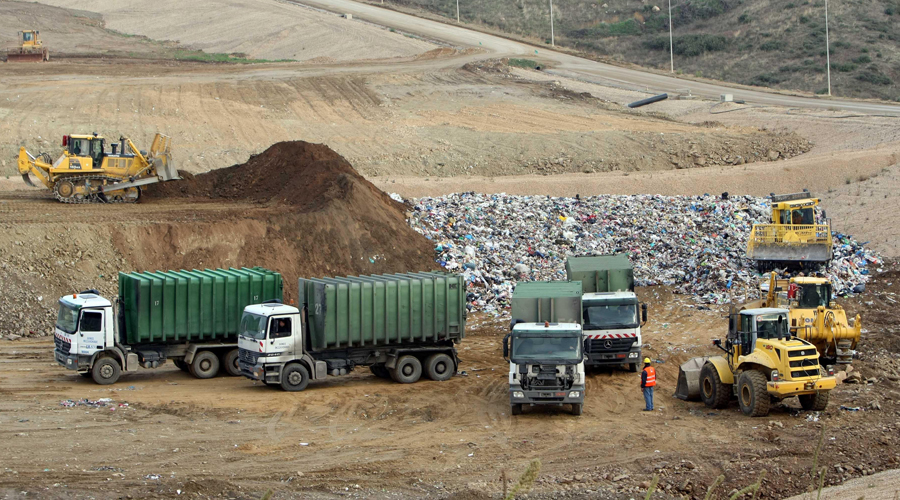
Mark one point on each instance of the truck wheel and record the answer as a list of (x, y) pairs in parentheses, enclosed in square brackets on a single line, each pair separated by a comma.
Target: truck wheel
[(230, 361), (106, 371), (752, 394), (380, 371), (577, 408), (632, 367), (714, 393), (295, 377), (408, 370), (182, 365), (516, 409), (814, 402), (205, 365), (439, 367)]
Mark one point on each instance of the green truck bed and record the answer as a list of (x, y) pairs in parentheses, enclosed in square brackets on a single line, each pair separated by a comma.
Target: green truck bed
[(553, 301), (602, 273)]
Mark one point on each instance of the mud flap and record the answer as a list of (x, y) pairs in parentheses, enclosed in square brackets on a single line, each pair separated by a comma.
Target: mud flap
[(688, 387)]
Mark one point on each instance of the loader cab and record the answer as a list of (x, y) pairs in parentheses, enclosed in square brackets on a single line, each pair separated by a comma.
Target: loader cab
[(751, 325)]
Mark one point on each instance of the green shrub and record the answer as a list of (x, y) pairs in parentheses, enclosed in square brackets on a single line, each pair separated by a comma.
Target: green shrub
[(889, 11), (764, 80), (863, 60), (744, 18), (843, 67), (770, 45), (523, 63), (790, 5), (877, 78), (804, 19), (689, 45)]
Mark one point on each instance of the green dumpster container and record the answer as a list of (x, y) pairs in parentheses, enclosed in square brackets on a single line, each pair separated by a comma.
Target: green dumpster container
[(553, 301), (603, 273)]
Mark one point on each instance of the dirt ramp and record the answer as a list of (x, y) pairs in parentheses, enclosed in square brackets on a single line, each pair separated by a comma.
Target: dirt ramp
[(318, 217)]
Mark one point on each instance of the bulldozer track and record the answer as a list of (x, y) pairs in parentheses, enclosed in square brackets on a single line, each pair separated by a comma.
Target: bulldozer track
[(93, 198)]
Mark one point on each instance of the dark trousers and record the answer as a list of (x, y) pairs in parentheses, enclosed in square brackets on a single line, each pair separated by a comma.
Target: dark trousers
[(648, 397)]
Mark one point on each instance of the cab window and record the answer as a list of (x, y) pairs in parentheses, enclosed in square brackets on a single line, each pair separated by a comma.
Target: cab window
[(813, 296), (91, 322), (79, 147), (280, 328)]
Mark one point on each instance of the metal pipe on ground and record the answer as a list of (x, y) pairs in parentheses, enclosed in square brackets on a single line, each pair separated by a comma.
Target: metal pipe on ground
[(649, 100)]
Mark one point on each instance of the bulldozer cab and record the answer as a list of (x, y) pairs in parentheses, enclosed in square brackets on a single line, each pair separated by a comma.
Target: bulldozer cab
[(812, 295), (86, 146), (31, 38)]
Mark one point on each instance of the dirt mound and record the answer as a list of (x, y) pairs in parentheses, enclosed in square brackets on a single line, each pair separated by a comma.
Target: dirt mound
[(319, 217)]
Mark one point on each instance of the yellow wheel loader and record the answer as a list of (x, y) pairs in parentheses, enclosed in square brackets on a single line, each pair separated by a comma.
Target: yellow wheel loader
[(814, 316), (762, 365), (88, 172), (31, 49), (794, 238)]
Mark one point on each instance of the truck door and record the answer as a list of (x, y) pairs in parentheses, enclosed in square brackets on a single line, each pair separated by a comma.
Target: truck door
[(91, 337), (281, 335)]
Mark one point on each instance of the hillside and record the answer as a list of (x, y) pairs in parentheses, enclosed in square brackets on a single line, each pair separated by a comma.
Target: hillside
[(778, 44)]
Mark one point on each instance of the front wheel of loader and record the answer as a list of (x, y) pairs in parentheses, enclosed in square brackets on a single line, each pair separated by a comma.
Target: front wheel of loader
[(752, 394), (814, 402), (713, 391)]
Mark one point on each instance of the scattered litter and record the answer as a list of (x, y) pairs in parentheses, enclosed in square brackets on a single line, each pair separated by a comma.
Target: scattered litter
[(304, 444), (152, 477), (850, 408), (93, 403), (696, 244), (813, 417)]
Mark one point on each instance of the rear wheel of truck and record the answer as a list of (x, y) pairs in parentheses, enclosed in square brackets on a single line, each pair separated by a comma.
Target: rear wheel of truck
[(295, 377), (230, 362), (182, 365), (515, 409), (752, 394), (713, 392), (205, 365), (439, 367), (814, 402), (380, 371), (577, 408), (408, 370), (106, 371)]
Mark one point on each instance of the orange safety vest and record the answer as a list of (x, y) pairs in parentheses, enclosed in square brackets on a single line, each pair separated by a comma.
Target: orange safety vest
[(651, 376)]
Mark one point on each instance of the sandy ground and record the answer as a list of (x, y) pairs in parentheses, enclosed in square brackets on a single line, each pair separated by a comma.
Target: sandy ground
[(262, 29)]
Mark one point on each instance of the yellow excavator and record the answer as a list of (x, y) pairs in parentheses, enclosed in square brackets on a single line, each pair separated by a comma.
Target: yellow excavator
[(814, 316), (794, 238), (31, 49), (88, 172)]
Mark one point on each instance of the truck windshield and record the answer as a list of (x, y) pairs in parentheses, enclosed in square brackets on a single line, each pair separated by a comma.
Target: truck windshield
[(813, 296), (610, 315), (527, 347), (771, 326), (67, 320), (253, 326)]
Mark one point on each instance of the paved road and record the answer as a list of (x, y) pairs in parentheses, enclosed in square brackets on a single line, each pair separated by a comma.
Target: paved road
[(585, 69)]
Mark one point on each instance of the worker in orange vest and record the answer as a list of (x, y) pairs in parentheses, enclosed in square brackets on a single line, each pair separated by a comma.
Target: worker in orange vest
[(648, 382)]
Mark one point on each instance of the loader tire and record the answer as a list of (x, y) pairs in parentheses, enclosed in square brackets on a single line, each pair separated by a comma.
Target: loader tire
[(713, 391), (205, 365), (439, 367), (752, 394), (408, 370), (814, 402), (106, 371)]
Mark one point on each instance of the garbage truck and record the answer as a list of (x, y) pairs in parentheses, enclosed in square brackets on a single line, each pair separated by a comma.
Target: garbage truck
[(401, 326), (188, 317), (612, 316), (545, 347)]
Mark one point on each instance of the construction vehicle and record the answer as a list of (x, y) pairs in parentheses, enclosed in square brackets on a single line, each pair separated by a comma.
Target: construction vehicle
[(400, 325), (545, 346), (762, 364), (86, 172), (814, 316), (188, 317), (612, 316), (794, 238), (31, 49)]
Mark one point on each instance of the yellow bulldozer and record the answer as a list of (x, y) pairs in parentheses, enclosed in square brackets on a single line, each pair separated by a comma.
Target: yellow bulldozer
[(762, 364), (30, 50), (814, 316), (88, 172), (794, 238)]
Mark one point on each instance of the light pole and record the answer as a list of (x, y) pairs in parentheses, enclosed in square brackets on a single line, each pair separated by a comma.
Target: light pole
[(827, 49), (552, 41), (457, 11), (671, 47)]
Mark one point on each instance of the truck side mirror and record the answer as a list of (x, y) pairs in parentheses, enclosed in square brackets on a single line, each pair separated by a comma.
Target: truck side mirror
[(506, 347), (643, 313), (717, 342)]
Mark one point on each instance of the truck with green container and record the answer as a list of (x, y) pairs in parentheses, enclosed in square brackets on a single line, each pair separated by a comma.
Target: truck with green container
[(401, 326), (545, 348), (612, 315), (191, 318)]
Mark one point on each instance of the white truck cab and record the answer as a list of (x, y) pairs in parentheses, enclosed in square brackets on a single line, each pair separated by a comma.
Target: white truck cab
[(546, 365), (612, 328), (85, 328)]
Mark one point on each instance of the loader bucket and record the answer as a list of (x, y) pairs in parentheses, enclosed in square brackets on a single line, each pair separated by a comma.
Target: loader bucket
[(688, 387)]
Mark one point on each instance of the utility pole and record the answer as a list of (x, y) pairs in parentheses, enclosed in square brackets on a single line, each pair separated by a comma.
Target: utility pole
[(671, 47), (457, 11), (552, 41), (827, 49)]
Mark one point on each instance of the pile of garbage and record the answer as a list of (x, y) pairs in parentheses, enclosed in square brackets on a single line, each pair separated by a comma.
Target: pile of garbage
[(93, 403), (695, 244)]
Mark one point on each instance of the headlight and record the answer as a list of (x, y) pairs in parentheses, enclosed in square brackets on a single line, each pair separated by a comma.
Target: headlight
[(774, 375), (518, 394), (575, 394), (632, 354)]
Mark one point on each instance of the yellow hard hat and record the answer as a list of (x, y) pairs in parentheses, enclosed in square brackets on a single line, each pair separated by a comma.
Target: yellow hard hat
[(647, 361)]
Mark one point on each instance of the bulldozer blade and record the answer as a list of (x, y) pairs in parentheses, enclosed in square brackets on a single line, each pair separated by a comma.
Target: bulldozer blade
[(688, 387), (792, 253), (27, 180), (26, 57)]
